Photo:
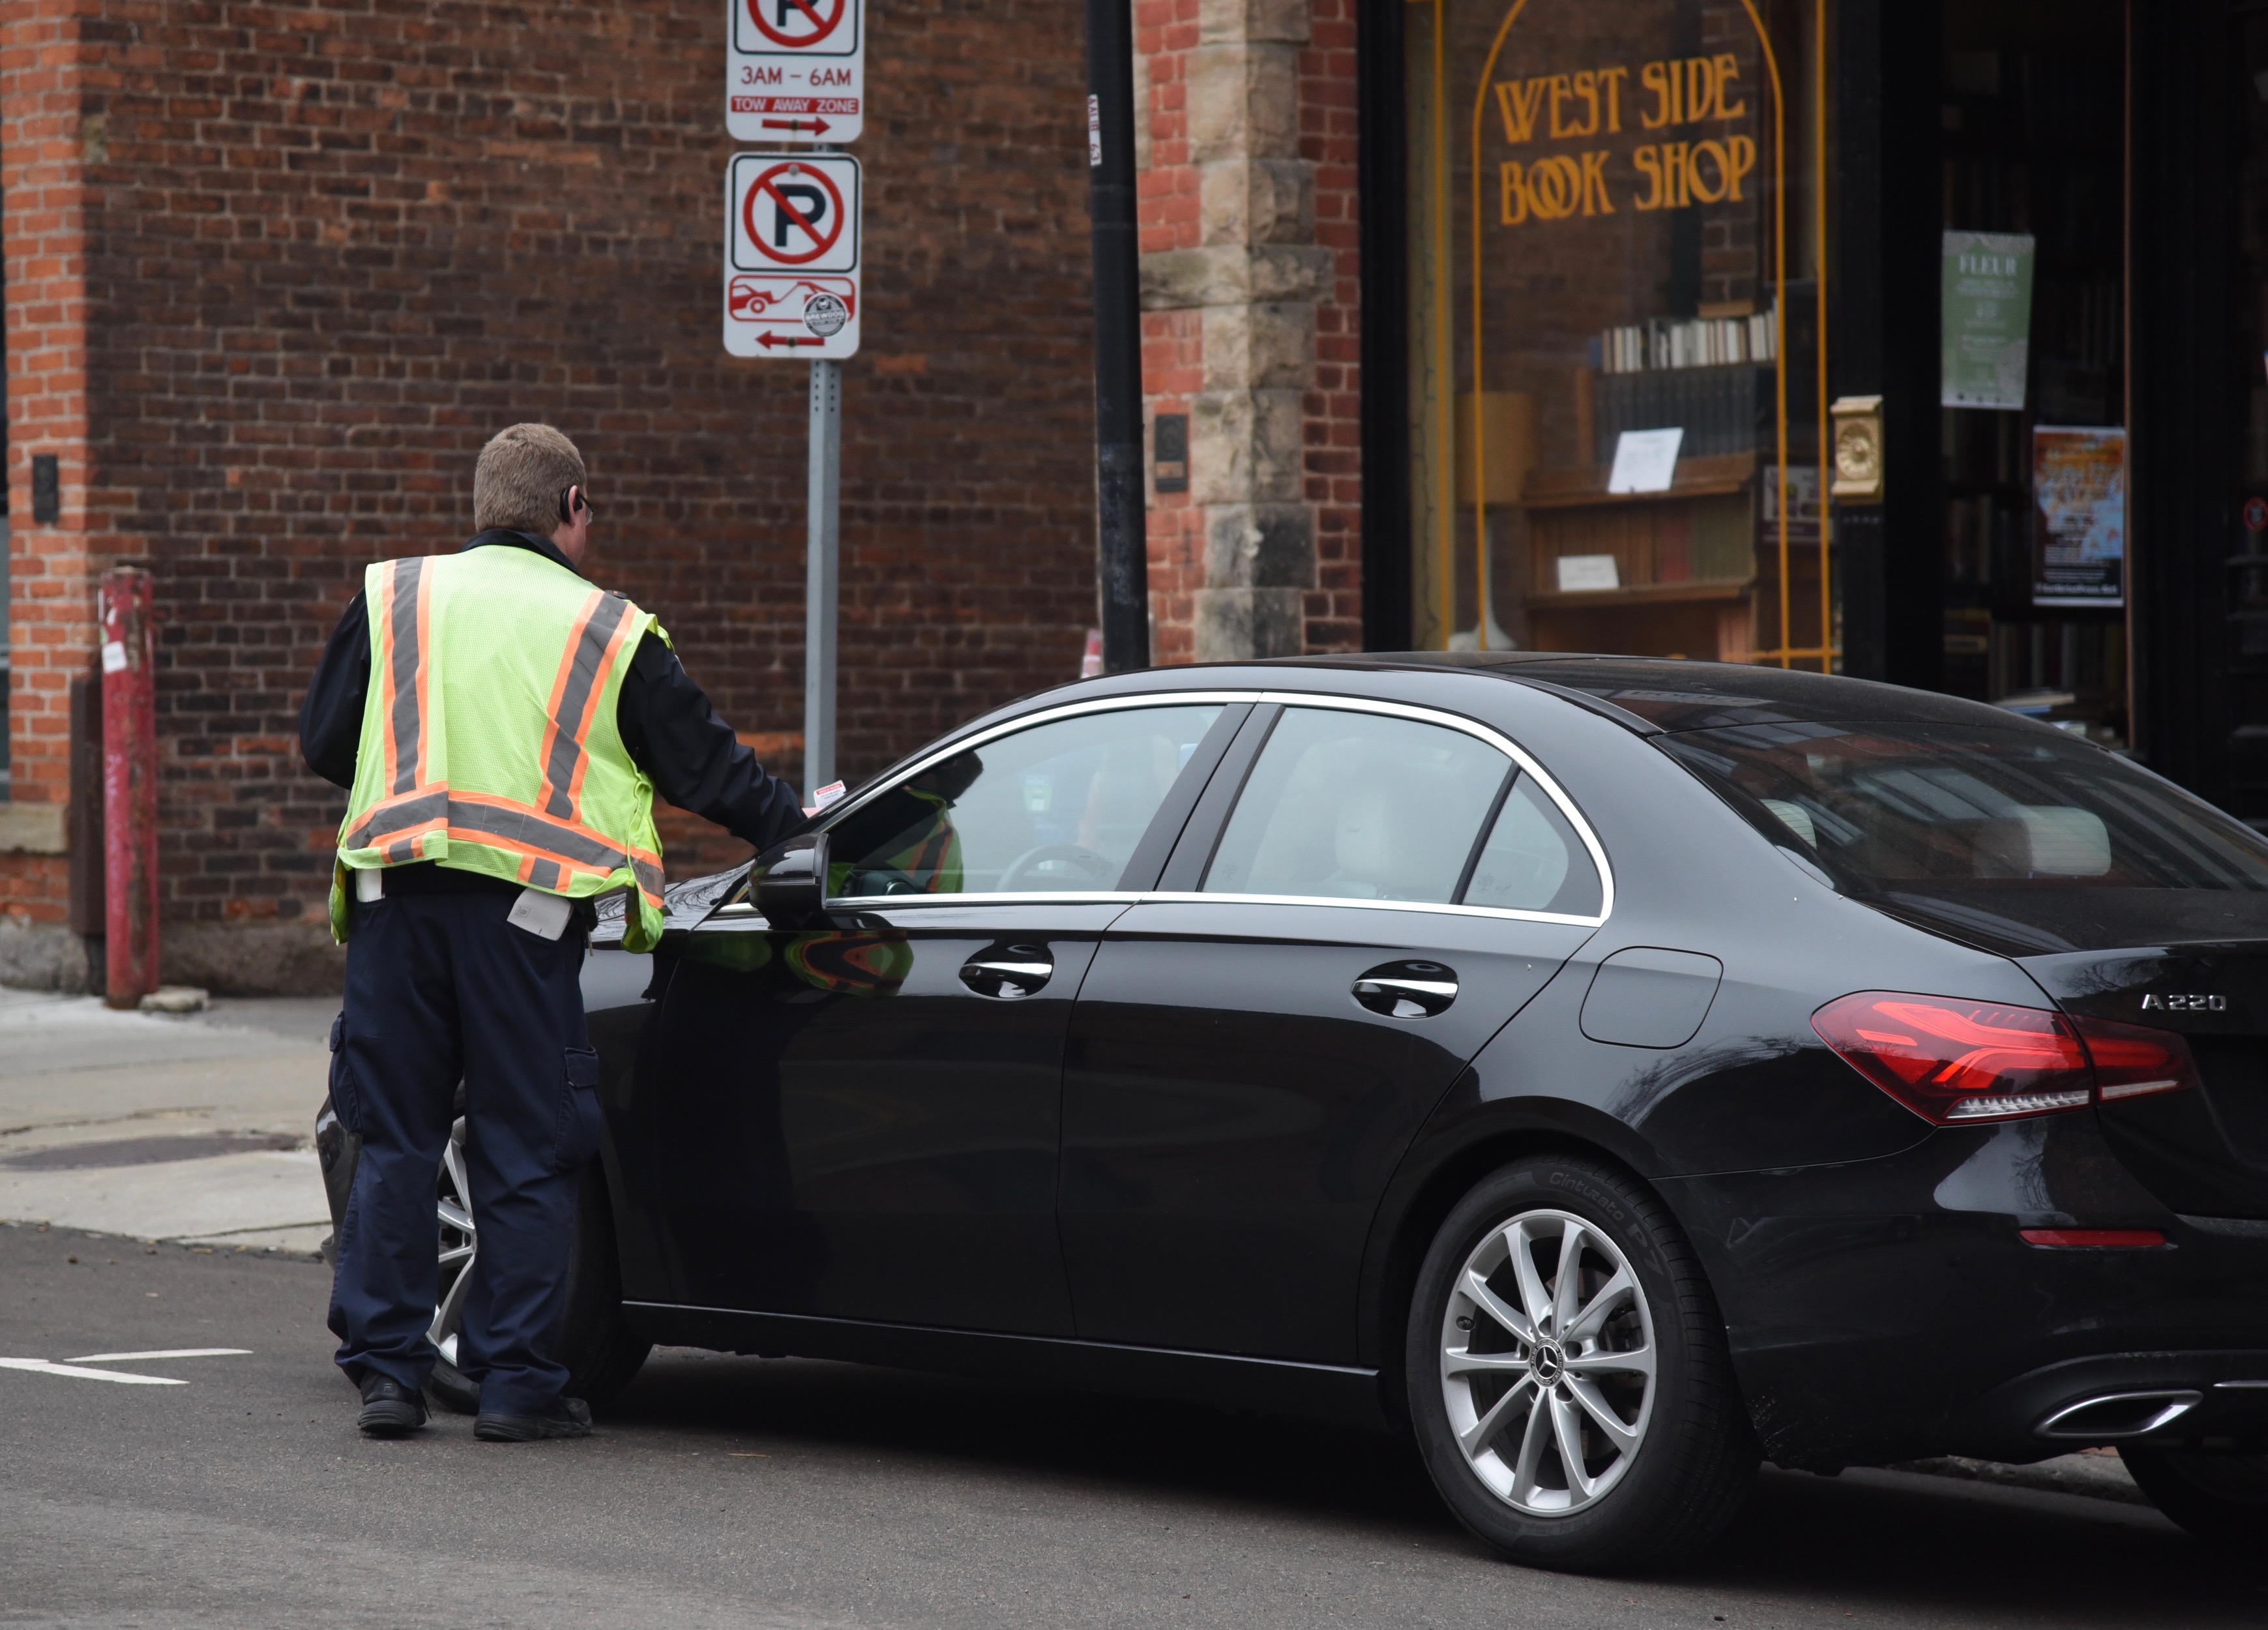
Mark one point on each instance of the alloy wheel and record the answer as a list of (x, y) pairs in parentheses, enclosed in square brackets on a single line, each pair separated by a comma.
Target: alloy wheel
[(1548, 1363), (459, 1240)]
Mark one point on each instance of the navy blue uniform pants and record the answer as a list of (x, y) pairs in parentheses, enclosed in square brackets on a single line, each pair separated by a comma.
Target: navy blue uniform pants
[(439, 988)]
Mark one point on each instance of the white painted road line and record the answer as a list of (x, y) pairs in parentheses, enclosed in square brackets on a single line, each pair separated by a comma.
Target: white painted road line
[(120, 1358), (48, 1367)]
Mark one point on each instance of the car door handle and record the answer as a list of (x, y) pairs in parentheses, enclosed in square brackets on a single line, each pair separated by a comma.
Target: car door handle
[(1408, 990), (1008, 973)]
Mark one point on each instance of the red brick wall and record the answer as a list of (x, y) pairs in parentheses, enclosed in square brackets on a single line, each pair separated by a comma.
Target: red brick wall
[(1330, 139), (1172, 342), (42, 146), (329, 250)]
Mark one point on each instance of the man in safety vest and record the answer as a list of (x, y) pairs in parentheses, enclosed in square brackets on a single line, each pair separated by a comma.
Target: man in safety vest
[(502, 727)]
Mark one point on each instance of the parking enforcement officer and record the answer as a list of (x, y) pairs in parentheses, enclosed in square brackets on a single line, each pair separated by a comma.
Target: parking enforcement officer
[(502, 727)]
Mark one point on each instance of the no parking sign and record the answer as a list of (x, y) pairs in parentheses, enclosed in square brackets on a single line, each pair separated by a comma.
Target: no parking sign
[(797, 70), (792, 255)]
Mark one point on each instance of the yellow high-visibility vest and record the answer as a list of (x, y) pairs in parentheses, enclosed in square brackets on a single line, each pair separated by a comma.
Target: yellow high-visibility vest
[(488, 740)]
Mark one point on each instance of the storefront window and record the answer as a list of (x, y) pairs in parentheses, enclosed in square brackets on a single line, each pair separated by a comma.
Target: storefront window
[(2033, 412), (1616, 208)]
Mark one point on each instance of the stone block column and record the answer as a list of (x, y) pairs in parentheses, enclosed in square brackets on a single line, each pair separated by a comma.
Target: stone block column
[(1231, 274)]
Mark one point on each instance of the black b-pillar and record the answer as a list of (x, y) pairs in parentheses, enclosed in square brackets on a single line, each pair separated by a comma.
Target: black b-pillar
[(1123, 559)]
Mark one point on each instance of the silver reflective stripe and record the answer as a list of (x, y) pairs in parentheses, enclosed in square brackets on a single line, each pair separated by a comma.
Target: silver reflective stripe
[(532, 832), (398, 815), (406, 724), (519, 829), (574, 699)]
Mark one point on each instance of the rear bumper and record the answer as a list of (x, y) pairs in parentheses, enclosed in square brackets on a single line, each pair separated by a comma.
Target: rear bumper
[(1889, 1309), (2198, 1400)]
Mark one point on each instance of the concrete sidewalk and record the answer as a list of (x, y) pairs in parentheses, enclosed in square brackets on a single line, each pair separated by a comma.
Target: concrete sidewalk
[(198, 1128)]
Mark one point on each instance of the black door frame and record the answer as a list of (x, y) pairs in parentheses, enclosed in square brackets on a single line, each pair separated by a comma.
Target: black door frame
[(2185, 399)]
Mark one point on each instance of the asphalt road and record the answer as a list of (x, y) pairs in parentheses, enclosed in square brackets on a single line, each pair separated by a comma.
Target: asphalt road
[(747, 1493)]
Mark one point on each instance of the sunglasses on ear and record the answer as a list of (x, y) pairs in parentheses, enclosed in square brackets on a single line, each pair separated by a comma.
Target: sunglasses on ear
[(573, 498)]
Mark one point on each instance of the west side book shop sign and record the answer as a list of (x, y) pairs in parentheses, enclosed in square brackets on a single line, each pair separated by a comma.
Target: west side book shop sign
[(796, 70), (792, 255)]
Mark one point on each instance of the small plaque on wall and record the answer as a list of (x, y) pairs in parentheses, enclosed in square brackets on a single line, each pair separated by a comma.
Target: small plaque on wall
[(1169, 461)]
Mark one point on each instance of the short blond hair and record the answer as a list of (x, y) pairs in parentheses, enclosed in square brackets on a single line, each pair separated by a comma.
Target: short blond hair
[(520, 475)]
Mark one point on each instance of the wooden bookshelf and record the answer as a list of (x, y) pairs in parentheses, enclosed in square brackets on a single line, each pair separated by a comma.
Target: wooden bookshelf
[(1686, 559), (1587, 486), (1642, 594)]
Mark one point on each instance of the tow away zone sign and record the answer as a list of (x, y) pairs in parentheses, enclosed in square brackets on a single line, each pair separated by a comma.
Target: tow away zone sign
[(796, 70), (792, 255)]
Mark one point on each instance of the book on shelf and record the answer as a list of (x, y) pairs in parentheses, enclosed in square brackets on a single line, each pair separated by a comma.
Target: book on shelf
[(1663, 342), (1720, 408)]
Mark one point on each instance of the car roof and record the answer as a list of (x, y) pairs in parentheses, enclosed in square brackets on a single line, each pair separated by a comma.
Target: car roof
[(1672, 693)]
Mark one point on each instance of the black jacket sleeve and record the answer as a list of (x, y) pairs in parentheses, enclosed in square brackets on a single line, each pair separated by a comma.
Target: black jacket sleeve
[(695, 760), (330, 719)]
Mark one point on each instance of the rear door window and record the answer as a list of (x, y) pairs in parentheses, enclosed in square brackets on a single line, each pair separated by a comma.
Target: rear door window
[(1355, 806)]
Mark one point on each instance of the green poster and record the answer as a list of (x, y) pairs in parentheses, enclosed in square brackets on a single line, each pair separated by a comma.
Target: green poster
[(1988, 318)]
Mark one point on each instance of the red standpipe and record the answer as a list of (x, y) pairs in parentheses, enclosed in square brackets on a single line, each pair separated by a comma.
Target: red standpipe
[(129, 786)]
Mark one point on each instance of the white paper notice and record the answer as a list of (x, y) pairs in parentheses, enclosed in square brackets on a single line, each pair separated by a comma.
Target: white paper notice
[(1588, 571), (113, 655), (1645, 460)]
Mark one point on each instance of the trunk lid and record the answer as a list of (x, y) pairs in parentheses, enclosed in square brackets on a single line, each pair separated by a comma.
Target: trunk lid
[(2202, 1153)]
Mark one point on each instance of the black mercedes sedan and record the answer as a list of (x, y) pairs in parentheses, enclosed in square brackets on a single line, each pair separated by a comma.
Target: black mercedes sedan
[(1612, 1071)]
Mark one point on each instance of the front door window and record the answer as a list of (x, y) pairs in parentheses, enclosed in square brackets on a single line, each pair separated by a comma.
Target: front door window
[(1054, 808)]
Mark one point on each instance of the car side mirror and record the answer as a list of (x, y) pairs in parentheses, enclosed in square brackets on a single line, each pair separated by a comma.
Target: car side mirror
[(792, 892)]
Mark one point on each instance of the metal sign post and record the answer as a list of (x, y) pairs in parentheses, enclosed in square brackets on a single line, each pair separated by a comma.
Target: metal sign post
[(795, 72), (822, 575)]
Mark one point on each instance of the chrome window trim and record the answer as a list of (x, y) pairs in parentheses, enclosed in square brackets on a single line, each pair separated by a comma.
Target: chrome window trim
[(1287, 698), (1128, 898), (1502, 912)]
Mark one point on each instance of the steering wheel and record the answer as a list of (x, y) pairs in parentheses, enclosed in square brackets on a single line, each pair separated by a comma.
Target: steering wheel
[(1093, 868)]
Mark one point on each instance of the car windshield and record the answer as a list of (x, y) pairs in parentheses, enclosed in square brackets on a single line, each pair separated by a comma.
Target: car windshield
[(2012, 836)]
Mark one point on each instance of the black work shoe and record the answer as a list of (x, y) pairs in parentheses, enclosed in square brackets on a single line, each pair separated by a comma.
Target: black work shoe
[(389, 1408), (568, 1417)]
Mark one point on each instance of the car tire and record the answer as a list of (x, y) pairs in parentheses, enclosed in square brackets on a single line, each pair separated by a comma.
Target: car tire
[(595, 1342), (1501, 1372), (2221, 1498)]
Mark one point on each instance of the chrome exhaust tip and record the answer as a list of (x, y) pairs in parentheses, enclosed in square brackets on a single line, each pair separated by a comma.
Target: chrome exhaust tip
[(2113, 1417)]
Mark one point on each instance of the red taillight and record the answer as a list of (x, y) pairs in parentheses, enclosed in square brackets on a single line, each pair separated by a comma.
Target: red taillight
[(2132, 1062), (1954, 1063)]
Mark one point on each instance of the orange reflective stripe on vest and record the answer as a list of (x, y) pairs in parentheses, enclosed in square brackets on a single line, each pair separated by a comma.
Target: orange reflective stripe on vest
[(592, 648), (549, 848), (404, 625)]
